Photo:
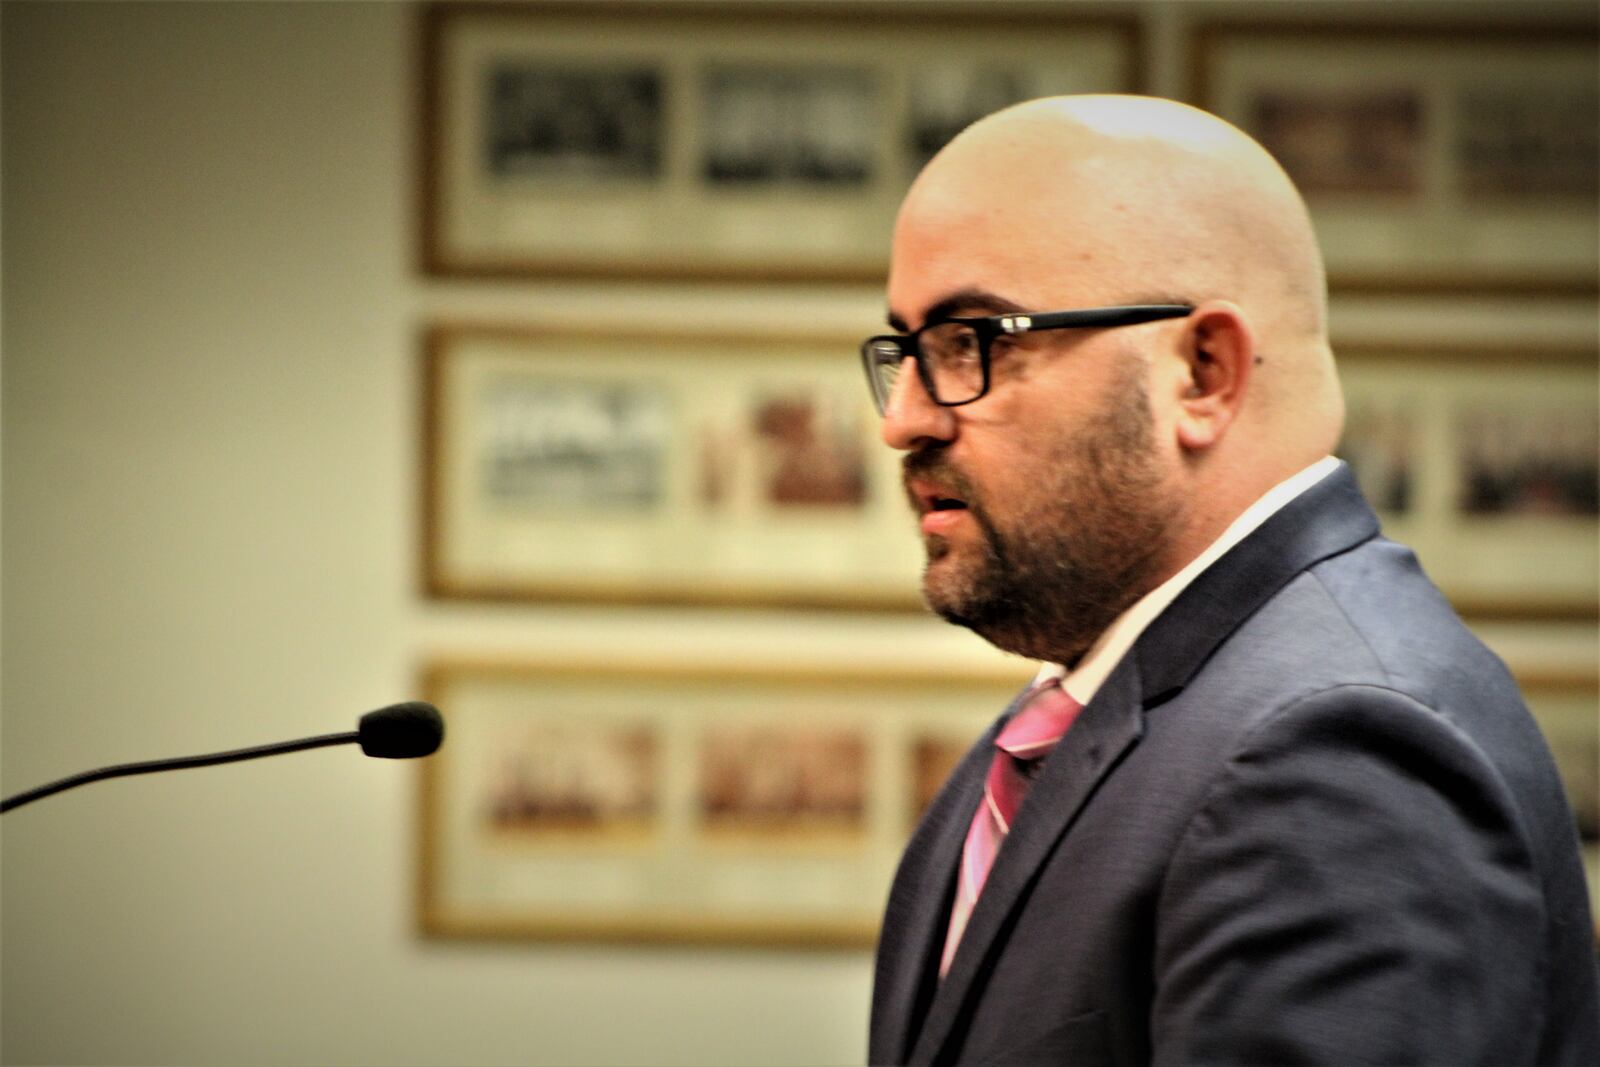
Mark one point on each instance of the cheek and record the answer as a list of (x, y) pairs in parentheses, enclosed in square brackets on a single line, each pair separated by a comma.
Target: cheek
[(1026, 442), (1009, 478)]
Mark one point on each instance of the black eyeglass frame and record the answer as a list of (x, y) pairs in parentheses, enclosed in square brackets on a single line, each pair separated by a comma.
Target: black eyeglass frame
[(988, 327)]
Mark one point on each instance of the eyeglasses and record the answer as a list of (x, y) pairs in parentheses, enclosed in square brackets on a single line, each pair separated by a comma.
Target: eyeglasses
[(952, 355)]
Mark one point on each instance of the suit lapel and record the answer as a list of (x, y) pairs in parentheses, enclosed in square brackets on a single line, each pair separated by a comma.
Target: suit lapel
[(1103, 731), (915, 919)]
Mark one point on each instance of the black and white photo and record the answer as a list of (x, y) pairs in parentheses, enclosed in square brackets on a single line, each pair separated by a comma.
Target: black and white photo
[(805, 125), (573, 122)]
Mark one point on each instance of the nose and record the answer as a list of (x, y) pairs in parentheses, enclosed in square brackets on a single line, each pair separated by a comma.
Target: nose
[(911, 418)]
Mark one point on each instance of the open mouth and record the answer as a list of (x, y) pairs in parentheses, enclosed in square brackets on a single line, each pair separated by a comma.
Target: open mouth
[(928, 498)]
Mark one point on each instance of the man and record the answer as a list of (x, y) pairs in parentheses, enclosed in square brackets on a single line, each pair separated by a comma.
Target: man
[(1289, 810)]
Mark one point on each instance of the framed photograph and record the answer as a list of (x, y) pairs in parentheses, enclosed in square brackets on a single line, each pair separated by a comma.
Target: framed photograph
[(1432, 158), (1567, 707), (1486, 462), (674, 466), (624, 800), (732, 140), (1352, 141)]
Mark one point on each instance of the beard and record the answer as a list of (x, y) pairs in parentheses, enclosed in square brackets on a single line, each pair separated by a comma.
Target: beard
[(1049, 579)]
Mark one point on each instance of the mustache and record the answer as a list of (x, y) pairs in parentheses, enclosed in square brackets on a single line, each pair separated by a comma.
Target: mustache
[(932, 465)]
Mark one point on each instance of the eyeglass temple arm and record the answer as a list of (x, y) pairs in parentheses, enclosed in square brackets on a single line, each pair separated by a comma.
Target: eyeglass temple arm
[(1126, 315)]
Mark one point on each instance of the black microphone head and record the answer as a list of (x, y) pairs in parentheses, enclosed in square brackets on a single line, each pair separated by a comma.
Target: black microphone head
[(401, 731)]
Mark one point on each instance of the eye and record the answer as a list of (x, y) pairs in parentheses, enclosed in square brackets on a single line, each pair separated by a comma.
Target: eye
[(955, 345)]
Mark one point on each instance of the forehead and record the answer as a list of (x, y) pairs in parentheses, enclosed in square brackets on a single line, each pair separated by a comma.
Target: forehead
[(1031, 246)]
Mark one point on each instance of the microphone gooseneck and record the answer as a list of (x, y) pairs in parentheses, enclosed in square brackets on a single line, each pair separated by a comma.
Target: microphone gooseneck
[(400, 731)]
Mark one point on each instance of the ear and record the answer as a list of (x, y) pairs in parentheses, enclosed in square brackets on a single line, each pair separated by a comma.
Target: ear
[(1220, 352)]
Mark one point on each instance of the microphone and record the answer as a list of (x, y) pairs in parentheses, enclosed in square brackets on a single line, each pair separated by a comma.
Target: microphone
[(399, 731)]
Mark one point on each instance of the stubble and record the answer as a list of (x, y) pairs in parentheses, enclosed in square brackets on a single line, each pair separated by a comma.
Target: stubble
[(1047, 579)]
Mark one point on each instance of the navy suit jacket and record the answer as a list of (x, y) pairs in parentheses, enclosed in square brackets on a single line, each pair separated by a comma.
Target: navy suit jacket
[(1307, 819)]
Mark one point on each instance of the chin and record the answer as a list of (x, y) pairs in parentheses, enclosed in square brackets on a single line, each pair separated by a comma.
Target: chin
[(951, 592), (1001, 628), (940, 600), (1008, 617), (941, 577)]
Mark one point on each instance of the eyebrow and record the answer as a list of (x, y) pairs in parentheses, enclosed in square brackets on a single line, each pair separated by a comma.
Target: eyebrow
[(963, 300)]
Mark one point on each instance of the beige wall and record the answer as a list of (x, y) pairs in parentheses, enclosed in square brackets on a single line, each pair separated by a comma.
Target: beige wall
[(210, 483), (209, 496)]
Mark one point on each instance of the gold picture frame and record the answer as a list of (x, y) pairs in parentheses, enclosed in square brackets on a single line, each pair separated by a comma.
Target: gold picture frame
[(695, 466), (715, 140), (1434, 158), (665, 466), (1483, 459), (1566, 704), (627, 799)]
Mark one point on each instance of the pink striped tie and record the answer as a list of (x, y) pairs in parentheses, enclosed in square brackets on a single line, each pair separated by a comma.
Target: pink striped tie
[(1021, 746)]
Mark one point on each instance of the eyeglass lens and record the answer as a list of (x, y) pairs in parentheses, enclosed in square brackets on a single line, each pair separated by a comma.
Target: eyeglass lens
[(883, 363), (951, 355)]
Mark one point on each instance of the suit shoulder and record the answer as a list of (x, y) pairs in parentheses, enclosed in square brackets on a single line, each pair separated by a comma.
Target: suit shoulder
[(1371, 617), (1365, 630), (1419, 642)]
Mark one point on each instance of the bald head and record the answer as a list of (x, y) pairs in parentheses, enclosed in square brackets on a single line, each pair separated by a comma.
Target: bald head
[(1089, 200)]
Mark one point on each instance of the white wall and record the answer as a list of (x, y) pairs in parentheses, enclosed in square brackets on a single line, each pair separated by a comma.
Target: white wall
[(209, 498)]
